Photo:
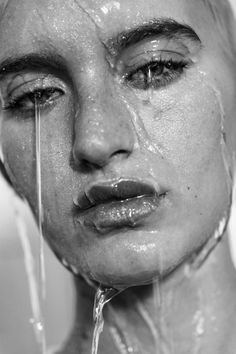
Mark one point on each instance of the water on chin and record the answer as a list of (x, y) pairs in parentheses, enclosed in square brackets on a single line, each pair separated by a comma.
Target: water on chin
[(103, 296)]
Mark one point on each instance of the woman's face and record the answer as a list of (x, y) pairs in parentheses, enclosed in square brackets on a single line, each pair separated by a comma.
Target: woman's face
[(137, 108)]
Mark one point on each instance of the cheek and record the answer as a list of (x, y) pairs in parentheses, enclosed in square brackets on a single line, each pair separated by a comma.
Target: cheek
[(19, 151), (18, 145), (187, 121)]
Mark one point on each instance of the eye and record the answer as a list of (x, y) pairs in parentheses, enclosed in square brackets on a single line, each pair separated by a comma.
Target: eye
[(26, 101), (155, 74)]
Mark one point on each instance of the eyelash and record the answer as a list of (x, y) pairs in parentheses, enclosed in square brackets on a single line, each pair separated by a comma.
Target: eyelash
[(156, 74), (36, 96)]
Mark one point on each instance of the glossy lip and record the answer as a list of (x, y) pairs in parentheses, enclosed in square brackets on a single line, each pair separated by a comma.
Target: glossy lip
[(110, 205)]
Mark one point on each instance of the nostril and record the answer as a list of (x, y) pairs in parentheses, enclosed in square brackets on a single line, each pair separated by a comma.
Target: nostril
[(88, 164), (119, 153), (98, 160), (85, 163)]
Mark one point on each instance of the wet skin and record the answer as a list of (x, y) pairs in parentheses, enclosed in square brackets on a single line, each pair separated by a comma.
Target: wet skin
[(108, 114)]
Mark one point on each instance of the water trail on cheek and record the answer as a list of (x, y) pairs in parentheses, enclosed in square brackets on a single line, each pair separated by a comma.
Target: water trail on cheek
[(103, 296), (156, 322), (144, 140), (211, 244), (42, 275), (202, 256)]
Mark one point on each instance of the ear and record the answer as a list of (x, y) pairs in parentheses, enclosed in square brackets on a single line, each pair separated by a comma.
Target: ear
[(4, 173)]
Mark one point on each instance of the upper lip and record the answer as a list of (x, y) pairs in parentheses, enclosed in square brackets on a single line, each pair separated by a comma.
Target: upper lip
[(115, 190)]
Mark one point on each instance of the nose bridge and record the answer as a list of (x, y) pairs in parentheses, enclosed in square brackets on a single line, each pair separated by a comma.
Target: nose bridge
[(102, 127)]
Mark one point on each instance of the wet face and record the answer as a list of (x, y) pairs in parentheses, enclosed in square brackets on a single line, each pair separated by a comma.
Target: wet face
[(135, 100)]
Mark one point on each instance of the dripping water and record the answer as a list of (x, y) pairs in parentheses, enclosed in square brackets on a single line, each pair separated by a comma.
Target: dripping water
[(200, 258), (29, 263), (120, 337), (103, 296), (41, 276), (36, 283), (163, 338), (157, 307), (39, 197)]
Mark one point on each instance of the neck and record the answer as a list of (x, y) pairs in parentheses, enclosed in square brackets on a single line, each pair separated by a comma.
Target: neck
[(193, 311)]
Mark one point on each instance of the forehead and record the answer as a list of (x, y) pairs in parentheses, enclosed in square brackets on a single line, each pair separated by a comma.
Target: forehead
[(101, 11), (26, 24)]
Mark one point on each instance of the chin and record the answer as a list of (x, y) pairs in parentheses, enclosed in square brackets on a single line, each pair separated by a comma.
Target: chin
[(137, 258), (127, 259)]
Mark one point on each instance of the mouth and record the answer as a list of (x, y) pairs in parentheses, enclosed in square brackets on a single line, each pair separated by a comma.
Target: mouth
[(117, 204)]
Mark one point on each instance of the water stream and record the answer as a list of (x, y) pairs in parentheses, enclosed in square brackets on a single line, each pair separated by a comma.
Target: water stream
[(160, 342), (102, 297), (35, 271), (215, 239), (41, 276), (33, 283)]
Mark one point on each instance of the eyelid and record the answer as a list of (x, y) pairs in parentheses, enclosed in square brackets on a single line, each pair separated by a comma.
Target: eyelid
[(146, 58), (143, 76), (25, 105), (156, 44), (23, 84), (19, 96), (156, 47)]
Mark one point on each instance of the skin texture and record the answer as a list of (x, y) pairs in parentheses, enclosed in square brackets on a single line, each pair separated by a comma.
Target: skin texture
[(98, 128)]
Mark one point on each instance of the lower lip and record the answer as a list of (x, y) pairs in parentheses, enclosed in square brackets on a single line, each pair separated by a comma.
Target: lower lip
[(118, 214)]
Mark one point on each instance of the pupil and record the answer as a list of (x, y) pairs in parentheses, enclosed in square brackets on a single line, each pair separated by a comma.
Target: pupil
[(156, 69), (36, 96)]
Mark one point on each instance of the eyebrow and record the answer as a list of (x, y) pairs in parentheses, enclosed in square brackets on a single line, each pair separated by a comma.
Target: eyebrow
[(32, 61), (167, 28), (164, 27)]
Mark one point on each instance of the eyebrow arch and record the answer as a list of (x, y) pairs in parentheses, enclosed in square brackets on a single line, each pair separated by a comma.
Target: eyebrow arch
[(163, 27), (32, 61)]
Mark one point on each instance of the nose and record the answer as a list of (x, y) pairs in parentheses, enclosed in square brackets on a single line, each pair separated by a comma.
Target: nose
[(102, 131)]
